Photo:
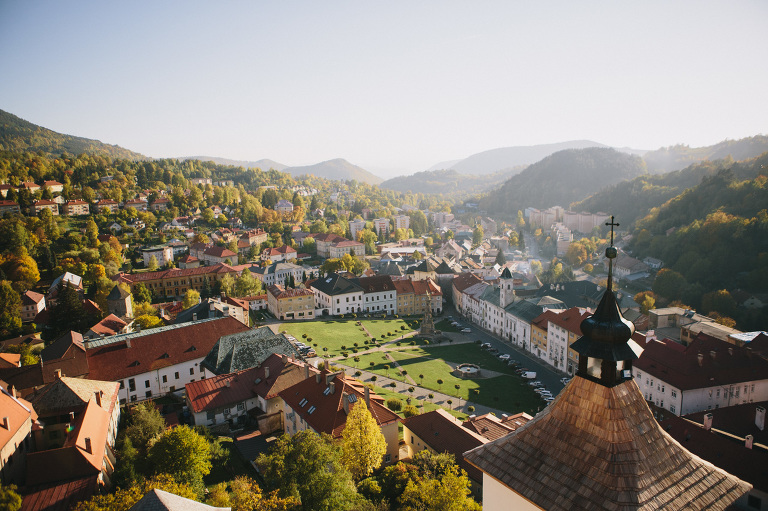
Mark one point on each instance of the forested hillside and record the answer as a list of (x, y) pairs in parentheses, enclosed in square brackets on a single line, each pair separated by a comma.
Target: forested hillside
[(634, 199), (448, 182), (562, 178), (712, 237), (16, 134), (680, 156)]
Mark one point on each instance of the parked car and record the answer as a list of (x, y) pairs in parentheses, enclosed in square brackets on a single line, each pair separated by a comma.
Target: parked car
[(530, 375), (485, 345), (465, 330), (564, 381), (504, 356)]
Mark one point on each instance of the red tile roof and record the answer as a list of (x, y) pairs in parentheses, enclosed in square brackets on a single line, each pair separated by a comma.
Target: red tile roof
[(571, 319), (60, 496), (17, 412), (491, 427), (721, 363), (443, 432), (176, 273), (328, 415), (217, 251), (30, 298), (110, 325), (157, 348), (465, 280)]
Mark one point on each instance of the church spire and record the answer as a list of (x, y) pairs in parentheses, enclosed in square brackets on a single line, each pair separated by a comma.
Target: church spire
[(606, 349)]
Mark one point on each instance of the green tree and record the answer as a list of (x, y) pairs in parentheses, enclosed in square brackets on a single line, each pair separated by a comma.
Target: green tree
[(9, 499), (141, 293), (719, 301), (451, 492), (146, 423), (124, 498), (228, 285), (152, 266), (500, 259), (646, 300), (247, 496), (307, 466), (246, 284), (669, 284), (147, 321), (477, 235), (182, 453), (363, 444), (191, 298), (10, 309)]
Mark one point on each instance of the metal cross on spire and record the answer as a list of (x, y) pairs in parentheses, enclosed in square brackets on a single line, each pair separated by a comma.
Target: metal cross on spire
[(612, 224), (611, 254)]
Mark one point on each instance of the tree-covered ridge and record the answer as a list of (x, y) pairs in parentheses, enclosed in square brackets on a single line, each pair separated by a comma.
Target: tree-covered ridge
[(680, 156), (560, 179), (16, 134), (715, 236), (635, 198), (448, 182)]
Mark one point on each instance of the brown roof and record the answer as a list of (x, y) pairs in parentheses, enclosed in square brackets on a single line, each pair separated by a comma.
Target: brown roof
[(17, 413), (465, 280), (157, 348), (31, 298), (722, 450), (284, 249), (571, 319), (721, 363), (444, 433), (66, 395), (216, 251), (73, 459), (328, 415), (376, 284), (403, 287), (176, 273), (59, 496), (213, 392), (420, 287), (598, 447), (488, 426), (110, 325), (278, 292)]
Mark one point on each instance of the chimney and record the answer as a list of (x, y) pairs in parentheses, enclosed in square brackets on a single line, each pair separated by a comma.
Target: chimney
[(318, 378), (71, 416), (306, 371), (760, 418), (284, 358), (6, 423), (748, 441), (88, 445), (12, 392), (708, 421), (326, 365), (713, 354), (701, 359), (368, 397), (128, 341), (344, 401), (98, 398), (211, 306), (194, 316), (332, 385), (57, 374), (266, 372)]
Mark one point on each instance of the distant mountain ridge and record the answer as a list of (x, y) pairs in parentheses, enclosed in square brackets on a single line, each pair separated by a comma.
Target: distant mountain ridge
[(338, 169), (19, 135), (448, 182), (562, 178), (681, 156), (504, 158), (263, 164)]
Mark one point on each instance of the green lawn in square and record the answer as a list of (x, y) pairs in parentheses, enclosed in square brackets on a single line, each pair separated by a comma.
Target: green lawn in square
[(330, 334), (506, 392), (379, 327), (424, 405)]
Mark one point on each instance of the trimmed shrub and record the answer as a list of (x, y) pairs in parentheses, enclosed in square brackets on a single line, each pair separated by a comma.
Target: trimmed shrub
[(394, 404), (410, 411)]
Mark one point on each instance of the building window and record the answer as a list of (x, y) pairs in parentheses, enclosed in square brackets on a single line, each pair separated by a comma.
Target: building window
[(133, 397), (191, 371), (165, 379), (210, 415), (387, 458), (201, 369), (240, 407), (148, 394), (146, 384), (176, 375), (132, 385)]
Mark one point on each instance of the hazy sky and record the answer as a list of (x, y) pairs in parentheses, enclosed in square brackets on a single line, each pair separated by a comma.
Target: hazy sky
[(394, 87)]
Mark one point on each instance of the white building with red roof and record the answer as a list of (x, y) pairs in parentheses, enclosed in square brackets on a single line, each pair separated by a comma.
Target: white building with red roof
[(232, 397), (321, 403), (155, 362), (216, 254), (32, 304), (707, 374), (42, 204), (76, 207), (282, 253)]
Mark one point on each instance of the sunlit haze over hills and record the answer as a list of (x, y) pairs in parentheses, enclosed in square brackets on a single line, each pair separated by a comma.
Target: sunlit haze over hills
[(395, 87)]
